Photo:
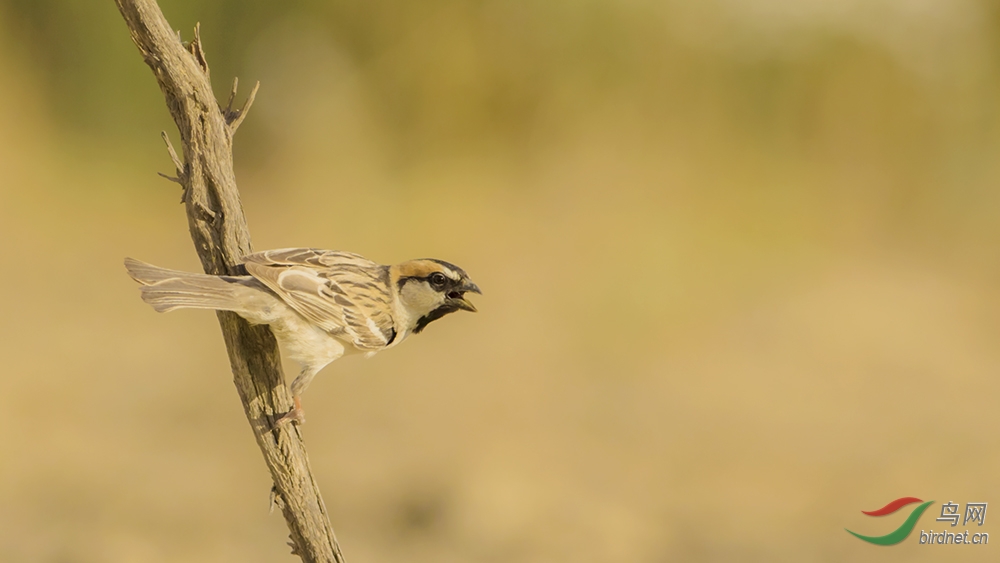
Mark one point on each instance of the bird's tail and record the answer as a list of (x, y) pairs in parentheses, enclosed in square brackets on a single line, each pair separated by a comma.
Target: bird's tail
[(167, 290)]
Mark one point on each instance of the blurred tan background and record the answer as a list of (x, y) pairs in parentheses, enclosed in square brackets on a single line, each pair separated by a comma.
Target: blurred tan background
[(739, 263)]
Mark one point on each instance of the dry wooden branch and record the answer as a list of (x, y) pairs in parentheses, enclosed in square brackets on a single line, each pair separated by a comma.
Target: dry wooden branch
[(219, 231)]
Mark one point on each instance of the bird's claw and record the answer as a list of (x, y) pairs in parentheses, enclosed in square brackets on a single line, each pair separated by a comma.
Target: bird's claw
[(295, 415)]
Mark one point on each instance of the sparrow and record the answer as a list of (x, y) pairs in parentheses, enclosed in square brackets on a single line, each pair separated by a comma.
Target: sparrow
[(321, 304)]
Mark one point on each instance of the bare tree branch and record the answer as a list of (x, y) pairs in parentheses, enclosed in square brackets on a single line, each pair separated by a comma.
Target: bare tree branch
[(236, 118), (232, 97), (221, 238)]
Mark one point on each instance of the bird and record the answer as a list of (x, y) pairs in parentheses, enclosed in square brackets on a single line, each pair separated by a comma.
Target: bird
[(320, 304)]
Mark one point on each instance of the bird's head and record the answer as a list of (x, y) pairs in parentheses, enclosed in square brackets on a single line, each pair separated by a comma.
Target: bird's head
[(429, 289)]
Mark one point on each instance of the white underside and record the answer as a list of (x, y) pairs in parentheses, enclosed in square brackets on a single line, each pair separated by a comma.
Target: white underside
[(311, 347)]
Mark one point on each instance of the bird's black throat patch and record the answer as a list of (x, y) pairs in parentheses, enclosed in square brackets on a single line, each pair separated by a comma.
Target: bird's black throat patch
[(433, 316)]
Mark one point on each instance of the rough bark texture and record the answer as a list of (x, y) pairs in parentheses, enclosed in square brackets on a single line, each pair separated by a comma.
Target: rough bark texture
[(219, 231)]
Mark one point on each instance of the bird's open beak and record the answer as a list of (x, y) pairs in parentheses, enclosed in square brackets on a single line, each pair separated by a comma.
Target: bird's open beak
[(461, 302), (471, 287)]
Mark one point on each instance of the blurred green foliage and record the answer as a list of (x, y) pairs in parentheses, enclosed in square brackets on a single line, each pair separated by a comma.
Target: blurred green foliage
[(452, 71), (449, 76)]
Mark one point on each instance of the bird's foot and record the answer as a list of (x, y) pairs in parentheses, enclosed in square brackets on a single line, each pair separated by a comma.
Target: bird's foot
[(297, 414), (294, 415)]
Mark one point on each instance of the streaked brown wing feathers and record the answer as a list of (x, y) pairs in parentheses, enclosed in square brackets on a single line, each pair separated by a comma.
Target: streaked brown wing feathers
[(341, 292)]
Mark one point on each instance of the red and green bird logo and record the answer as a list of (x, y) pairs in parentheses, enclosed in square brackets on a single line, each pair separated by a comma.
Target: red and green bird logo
[(901, 532)]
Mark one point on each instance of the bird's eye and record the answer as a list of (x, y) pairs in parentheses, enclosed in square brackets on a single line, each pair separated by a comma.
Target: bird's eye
[(438, 279)]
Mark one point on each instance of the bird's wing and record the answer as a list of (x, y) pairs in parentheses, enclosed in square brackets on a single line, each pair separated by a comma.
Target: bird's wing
[(342, 293)]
